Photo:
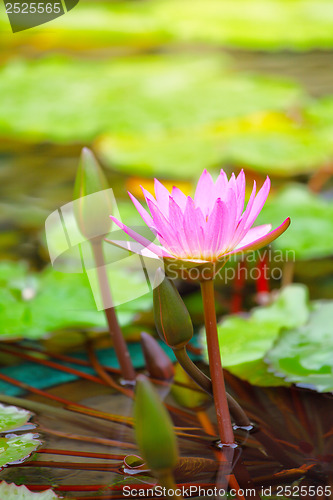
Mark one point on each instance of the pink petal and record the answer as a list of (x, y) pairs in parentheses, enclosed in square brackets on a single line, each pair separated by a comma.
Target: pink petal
[(240, 230), (179, 197), (254, 234), (231, 220), (232, 184), (162, 197), (216, 228), (263, 240), (165, 230), (176, 219), (193, 223), (147, 195), (204, 193), (160, 252), (142, 211), (258, 203), (240, 182), (221, 185)]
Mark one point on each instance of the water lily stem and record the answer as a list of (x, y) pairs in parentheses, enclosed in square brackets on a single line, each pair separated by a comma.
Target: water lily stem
[(166, 480), (119, 343), (205, 383), (216, 371)]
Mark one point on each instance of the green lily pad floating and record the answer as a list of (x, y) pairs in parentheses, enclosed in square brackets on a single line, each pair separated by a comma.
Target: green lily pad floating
[(304, 355), (129, 95), (320, 112), (14, 492), (98, 25), (244, 341), (34, 304), (12, 417), (249, 24), (310, 233), (265, 141), (161, 93), (15, 449), (183, 154), (286, 153), (178, 155)]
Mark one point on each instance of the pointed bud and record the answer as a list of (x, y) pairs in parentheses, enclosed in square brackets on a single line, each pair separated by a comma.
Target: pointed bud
[(153, 428), (158, 363), (172, 320), (92, 205)]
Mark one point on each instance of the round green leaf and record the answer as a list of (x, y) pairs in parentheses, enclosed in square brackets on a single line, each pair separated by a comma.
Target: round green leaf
[(17, 448), (12, 417), (34, 304), (304, 355)]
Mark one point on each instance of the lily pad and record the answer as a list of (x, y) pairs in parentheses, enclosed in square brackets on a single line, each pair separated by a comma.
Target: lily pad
[(282, 153), (179, 154), (310, 234), (15, 449), (265, 141), (143, 102), (12, 417), (272, 25), (14, 492), (33, 304), (304, 355), (244, 341), (269, 25), (161, 93)]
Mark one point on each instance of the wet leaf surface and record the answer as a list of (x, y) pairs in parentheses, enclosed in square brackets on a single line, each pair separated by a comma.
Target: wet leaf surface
[(15, 449), (304, 355), (30, 302), (12, 418), (244, 341)]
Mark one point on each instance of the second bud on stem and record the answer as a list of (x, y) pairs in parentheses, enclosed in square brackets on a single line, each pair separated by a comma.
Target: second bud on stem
[(172, 319)]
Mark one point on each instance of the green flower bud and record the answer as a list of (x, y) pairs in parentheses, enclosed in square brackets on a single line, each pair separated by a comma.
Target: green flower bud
[(172, 319), (93, 205), (153, 428)]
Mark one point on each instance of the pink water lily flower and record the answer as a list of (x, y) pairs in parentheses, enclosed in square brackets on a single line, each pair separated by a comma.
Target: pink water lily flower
[(207, 228)]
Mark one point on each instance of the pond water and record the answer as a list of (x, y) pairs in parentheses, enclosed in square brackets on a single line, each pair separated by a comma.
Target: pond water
[(291, 442)]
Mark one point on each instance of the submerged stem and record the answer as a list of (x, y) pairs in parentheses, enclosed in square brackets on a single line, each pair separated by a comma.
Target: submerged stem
[(205, 383), (216, 371), (119, 343)]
